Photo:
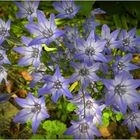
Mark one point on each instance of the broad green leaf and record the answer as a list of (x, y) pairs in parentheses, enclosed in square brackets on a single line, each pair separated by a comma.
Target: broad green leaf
[(54, 128), (119, 116), (71, 107), (85, 6), (105, 121), (106, 115)]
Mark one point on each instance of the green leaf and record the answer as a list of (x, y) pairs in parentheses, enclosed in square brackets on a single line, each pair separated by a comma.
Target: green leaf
[(37, 136), (99, 88), (106, 115), (105, 121), (138, 32), (85, 6), (73, 86), (119, 116), (54, 128), (124, 22), (48, 49), (71, 107), (117, 21), (99, 83)]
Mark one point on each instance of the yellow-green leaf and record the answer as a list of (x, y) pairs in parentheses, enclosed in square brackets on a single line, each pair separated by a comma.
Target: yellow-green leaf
[(73, 86)]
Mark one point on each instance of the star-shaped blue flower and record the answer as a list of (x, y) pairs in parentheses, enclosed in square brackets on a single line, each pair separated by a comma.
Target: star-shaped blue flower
[(84, 73), (45, 31), (133, 120), (110, 38), (56, 85), (31, 54), (67, 9), (4, 28), (91, 107), (90, 50), (3, 57), (27, 9), (123, 64), (129, 41), (33, 109), (3, 74), (83, 129), (122, 91)]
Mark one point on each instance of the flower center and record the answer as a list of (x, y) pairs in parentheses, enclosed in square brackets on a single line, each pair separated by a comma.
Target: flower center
[(47, 33), (83, 72), (69, 10), (2, 31), (37, 108), (120, 90), (120, 65), (90, 51), (133, 117), (126, 42), (1, 69), (107, 44), (35, 52), (1, 57), (83, 127), (89, 104), (57, 85), (29, 10)]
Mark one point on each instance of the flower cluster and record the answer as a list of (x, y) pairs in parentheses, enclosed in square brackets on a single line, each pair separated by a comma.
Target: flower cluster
[(4, 33), (89, 57)]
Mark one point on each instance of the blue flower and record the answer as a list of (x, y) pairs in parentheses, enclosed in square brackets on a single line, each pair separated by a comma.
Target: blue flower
[(3, 74), (122, 91), (133, 120), (46, 31), (84, 73), (91, 107), (89, 25), (67, 9), (123, 64), (37, 77), (110, 38), (90, 50), (38, 74), (4, 28), (83, 129), (3, 57), (56, 85), (33, 109), (97, 11), (27, 9), (31, 54), (71, 34), (129, 41)]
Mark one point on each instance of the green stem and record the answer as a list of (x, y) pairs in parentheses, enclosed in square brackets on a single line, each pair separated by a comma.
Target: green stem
[(84, 103)]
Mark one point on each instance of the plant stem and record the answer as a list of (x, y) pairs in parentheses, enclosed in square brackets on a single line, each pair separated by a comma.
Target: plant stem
[(84, 103)]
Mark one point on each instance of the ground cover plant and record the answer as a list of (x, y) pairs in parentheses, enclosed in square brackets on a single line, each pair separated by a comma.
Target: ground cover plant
[(68, 72)]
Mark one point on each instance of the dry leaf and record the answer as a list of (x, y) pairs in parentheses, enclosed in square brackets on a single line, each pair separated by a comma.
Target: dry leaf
[(26, 76), (104, 132), (22, 93), (9, 86)]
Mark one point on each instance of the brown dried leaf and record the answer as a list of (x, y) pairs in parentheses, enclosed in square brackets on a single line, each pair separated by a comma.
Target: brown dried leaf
[(104, 132), (9, 86), (22, 93), (26, 76)]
